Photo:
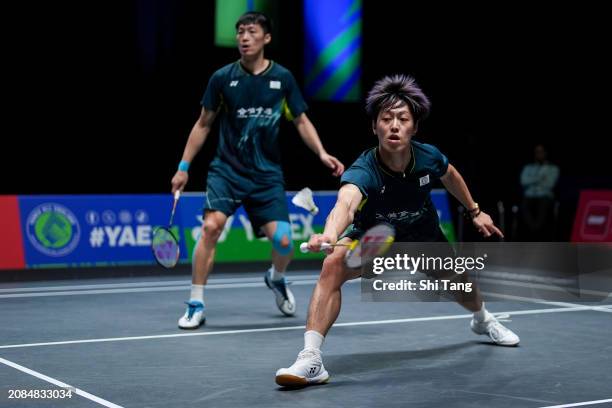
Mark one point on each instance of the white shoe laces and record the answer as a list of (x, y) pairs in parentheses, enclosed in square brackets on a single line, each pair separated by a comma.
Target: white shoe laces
[(503, 317)]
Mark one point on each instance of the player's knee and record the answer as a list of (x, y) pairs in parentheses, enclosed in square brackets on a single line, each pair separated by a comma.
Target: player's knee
[(212, 230), (332, 261), (332, 273), (281, 240)]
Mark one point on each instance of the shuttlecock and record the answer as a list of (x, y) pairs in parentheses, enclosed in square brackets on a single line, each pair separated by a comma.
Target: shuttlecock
[(303, 199)]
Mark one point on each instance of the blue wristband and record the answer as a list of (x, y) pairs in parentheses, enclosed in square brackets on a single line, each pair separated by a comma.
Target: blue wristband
[(183, 165)]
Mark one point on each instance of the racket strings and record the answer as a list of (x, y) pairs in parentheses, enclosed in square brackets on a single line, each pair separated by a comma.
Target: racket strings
[(165, 248)]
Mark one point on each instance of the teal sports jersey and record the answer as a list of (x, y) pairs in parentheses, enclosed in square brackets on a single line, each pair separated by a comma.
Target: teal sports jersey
[(400, 199), (250, 107)]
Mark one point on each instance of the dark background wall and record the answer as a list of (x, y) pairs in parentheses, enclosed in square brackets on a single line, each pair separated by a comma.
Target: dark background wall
[(101, 97)]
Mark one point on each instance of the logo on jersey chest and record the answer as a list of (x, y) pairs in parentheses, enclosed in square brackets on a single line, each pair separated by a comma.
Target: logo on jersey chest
[(251, 112), (233, 84)]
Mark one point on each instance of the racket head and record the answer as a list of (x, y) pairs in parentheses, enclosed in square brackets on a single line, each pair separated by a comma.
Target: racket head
[(165, 247), (374, 242)]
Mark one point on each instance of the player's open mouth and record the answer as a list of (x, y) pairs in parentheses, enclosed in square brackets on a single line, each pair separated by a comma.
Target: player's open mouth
[(394, 138)]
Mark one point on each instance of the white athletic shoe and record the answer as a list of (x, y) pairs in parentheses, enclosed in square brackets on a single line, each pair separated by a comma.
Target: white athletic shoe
[(307, 369), (194, 316), (500, 334), (284, 297)]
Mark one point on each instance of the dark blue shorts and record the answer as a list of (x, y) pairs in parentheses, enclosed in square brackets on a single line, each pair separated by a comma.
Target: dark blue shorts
[(263, 201)]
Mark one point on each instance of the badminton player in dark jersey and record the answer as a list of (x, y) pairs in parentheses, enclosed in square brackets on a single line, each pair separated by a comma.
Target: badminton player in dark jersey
[(249, 97), (390, 183)]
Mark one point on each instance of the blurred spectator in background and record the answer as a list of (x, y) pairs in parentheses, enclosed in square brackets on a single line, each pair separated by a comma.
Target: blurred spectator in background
[(539, 180)]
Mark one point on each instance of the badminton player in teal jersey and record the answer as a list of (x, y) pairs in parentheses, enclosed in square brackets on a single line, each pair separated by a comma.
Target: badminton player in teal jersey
[(390, 183), (249, 97)]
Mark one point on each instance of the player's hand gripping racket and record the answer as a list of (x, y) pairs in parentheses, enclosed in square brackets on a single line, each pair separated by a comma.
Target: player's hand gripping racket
[(164, 244), (374, 242)]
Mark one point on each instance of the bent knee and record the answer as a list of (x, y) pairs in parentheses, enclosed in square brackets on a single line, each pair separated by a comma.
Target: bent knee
[(333, 261), (281, 240), (335, 272), (211, 230)]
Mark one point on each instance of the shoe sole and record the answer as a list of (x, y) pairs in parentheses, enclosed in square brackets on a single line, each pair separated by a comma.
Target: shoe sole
[(202, 323), (288, 380), (285, 312), (278, 295)]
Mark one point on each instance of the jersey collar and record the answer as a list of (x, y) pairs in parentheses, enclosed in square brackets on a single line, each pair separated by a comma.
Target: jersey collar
[(383, 167), (262, 73)]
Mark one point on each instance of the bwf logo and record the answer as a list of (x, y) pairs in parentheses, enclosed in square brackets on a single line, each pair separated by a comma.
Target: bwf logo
[(53, 229)]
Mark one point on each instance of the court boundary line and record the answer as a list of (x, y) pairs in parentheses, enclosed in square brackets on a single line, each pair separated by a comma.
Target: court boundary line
[(59, 383), (287, 328), (219, 283), (579, 404), (149, 283), (603, 308), (186, 287)]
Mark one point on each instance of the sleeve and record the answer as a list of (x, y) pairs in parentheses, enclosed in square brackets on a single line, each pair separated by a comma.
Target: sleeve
[(440, 163), (212, 98), (550, 178), (361, 178), (294, 104)]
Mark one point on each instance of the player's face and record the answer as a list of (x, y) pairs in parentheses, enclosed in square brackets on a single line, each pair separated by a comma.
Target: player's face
[(395, 128), (251, 39)]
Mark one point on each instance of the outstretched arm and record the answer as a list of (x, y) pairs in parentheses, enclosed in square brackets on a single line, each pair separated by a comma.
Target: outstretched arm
[(310, 136), (349, 198), (455, 184), (196, 139)]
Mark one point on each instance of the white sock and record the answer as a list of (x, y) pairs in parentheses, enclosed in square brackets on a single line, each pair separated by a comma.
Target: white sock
[(313, 340), (197, 293), (276, 275), (483, 314)]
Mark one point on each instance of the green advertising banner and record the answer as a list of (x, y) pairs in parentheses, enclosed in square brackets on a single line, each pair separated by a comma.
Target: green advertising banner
[(238, 241)]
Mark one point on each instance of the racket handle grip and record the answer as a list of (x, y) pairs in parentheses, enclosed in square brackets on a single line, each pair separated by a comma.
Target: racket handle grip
[(304, 247), (177, 194)]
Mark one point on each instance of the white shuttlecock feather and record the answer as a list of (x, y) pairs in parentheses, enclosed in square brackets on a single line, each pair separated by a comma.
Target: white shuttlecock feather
[(304, 199)]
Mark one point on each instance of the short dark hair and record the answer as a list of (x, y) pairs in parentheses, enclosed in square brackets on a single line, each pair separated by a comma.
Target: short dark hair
[(391, 91), (255, 17)]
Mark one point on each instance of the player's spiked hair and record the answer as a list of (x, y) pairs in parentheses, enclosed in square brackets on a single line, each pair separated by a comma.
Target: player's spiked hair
[(392, 91), (255, 17)]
